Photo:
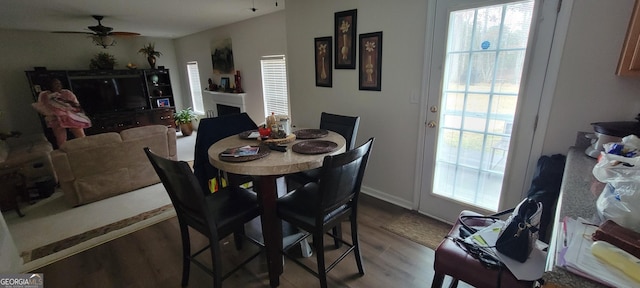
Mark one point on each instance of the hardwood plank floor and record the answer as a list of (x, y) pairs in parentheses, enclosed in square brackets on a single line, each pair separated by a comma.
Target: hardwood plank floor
[(152, 258)]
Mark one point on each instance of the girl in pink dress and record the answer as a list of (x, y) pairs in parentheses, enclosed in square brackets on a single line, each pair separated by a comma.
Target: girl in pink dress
[(62, 111)]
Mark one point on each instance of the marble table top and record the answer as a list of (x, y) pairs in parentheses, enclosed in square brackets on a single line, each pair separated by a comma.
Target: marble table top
[(276, 163)]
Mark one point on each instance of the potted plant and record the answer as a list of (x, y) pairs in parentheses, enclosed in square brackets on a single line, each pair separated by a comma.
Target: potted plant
[(150, 51), (103, 61), (184, 119)]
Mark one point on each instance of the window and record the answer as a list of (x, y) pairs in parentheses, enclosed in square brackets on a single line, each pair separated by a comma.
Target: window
[(274, 85), (194, 85)]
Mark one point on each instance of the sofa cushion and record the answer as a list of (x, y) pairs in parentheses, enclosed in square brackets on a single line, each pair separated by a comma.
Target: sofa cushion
[(91, 142), (103, 185)]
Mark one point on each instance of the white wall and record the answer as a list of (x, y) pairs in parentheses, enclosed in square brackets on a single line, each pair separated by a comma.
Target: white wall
[(587, 89), (23, 50), (251, 39), (387, 115)]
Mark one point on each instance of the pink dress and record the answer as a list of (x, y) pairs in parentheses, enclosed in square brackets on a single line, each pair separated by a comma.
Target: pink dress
[(61, 110)]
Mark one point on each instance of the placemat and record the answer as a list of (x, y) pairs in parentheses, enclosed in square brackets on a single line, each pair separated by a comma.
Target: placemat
[(314, 147), (311, 133), (263, 151)]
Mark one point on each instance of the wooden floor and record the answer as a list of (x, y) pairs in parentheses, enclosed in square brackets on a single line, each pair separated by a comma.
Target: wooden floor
[(152, 258)]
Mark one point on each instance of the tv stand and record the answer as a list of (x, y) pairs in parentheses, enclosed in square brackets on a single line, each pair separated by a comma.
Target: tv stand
[(118, 121), (155, 82)]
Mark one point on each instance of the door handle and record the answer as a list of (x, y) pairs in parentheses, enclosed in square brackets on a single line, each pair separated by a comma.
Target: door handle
[(432, 124)]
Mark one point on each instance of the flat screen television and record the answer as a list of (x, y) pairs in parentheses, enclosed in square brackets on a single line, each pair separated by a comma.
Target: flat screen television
[(103, 94)]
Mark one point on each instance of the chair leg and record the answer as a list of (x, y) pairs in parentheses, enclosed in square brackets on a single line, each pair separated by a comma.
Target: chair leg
[(186, 254), (437, 280), (217, 263), (318, 241), (356, 243), (238, 238), (337, 231)]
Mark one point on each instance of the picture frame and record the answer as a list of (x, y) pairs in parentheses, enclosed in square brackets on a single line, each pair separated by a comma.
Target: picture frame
[(370, 72), (323, 61), (163, 102), (345, 24), (224, 83)]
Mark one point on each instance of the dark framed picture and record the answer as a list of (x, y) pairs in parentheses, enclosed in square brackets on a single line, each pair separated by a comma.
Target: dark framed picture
[(163, 102), (345, 35), (370, 61), (224, 83), (324, 69)]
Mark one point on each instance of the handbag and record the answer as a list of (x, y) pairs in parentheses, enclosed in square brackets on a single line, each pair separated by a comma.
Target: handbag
[(520, 231)]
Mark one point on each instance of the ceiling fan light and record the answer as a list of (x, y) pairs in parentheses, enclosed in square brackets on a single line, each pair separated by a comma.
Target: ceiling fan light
[(104, 41)]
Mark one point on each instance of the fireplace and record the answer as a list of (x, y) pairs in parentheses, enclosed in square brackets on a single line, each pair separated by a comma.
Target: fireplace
[(220, 103)]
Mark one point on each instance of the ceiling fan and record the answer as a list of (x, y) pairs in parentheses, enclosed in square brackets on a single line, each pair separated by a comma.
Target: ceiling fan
[(102, 35)]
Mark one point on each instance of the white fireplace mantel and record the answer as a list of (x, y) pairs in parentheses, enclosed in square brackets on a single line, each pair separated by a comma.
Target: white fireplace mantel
[(222, 98)]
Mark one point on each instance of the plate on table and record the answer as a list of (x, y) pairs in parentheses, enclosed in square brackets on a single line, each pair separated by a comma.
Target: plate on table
[(311, 133), (250, 134), (314, 147), (244, 153)]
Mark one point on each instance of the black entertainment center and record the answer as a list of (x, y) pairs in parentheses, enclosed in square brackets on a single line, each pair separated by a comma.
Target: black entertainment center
[(114, 99)]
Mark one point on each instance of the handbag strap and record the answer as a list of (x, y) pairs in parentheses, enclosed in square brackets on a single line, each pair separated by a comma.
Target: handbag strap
[(493, 217)]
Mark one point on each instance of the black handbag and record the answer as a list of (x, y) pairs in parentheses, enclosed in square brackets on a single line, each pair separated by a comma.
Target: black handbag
[(520, 232)]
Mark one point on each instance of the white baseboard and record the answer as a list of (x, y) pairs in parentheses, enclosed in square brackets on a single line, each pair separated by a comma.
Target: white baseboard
[(386, 197)]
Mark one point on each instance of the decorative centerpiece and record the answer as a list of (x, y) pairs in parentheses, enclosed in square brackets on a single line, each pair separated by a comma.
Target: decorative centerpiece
[(184, 119), (102, 61), (150, 51)]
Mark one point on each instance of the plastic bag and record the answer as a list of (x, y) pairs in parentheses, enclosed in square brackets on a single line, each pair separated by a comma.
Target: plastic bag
[(620, 202), (620, 162), (619, 167)]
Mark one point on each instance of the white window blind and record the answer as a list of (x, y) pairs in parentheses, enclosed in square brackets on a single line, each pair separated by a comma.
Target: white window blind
[(274, 85), (194, 85)]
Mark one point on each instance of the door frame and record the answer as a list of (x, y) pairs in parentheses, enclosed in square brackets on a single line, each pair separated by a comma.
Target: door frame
[(544, 83)]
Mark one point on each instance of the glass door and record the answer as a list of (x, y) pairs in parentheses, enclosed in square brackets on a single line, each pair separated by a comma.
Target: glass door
[(474, 91)]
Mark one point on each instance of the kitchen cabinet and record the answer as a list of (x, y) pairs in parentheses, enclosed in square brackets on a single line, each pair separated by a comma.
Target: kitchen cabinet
[(629, 64)]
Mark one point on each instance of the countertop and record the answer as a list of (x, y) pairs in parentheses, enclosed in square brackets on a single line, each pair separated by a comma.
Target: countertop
[(577, 199)]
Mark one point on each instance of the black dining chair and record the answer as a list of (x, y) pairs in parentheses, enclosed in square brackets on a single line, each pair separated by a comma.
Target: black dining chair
[(318, 207), (212, 130), (214, 215), (347, 126)]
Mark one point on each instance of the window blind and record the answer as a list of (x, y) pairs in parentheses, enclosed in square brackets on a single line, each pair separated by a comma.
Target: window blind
[(274, 85), (194, 85)]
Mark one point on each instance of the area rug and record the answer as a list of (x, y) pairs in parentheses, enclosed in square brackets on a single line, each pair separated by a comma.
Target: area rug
[(419, 228), (52, 230)]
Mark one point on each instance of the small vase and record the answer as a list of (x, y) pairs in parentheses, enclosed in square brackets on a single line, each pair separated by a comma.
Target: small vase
[(369, 70), (345, 49), (152, 62), (323, 73)]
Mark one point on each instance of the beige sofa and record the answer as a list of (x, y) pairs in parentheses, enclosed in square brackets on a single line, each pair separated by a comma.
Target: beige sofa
[(104, 165)]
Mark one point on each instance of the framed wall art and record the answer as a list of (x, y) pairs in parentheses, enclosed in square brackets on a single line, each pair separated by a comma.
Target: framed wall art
[(345, 35), (370, 61), (163, 102), (323, 57), (224, 83)]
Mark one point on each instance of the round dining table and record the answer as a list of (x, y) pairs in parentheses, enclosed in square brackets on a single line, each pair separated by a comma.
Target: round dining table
[(265, 171)]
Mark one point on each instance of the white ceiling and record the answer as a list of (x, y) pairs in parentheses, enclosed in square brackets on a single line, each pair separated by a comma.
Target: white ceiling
[(151, 18)]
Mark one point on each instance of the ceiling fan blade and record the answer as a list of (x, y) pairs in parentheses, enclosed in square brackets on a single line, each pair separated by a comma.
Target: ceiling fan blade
[(117, 33), (73, 32)]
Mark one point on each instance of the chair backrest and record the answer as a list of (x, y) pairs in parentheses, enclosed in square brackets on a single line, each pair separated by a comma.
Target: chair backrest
[(347, 126), (185, 192), (212, 130), (341, 178)]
